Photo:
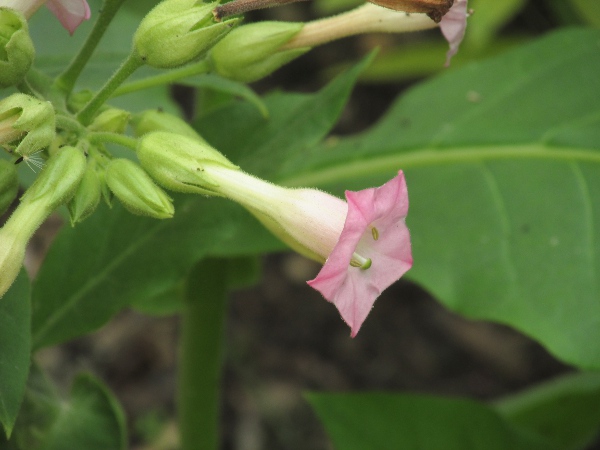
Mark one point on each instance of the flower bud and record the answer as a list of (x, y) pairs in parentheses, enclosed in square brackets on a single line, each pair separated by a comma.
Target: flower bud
[(179, 163), (111, 120), (156, 120), (79, 99), (176, 32), (54, 186), (254, 51), (137, 191), (16, 48), (29, 119), (9, 184), (59, 179), (87, 196)]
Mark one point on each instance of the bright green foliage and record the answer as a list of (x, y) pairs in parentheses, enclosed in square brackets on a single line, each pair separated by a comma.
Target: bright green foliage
[(15, 343)]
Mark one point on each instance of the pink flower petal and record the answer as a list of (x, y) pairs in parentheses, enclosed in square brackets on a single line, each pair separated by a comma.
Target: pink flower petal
[(354, 290), (70, 12), (453, 26)]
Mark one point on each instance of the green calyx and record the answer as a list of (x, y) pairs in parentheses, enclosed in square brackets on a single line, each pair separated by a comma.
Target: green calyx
[(136, 190), (155, 120), (29, 119), (16, 48), (177, 32), (59, 179), (87, 196), (254, 51), (180, 163)]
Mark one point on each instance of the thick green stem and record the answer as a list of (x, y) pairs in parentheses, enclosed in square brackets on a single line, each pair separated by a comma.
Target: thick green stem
[(200, 356), (130, 65), (172, 76), (66, 81)]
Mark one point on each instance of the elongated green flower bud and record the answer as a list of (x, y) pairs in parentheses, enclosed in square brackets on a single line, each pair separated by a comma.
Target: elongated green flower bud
[(111, 120), (27, 123), (16, 48), (254, 51), (87, 196), (9, 184), (136, 190), (176, 32), (155, 120), (54, 186), (178, 162)]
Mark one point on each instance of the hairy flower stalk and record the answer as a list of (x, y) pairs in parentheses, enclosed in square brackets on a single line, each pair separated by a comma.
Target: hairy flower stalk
[(70, 13), (368, 18), (364, 243), (54, 186), (371, 18)]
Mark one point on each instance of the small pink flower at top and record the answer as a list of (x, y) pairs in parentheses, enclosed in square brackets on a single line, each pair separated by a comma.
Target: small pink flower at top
[(373, 251), (70, 12), (453, 26)]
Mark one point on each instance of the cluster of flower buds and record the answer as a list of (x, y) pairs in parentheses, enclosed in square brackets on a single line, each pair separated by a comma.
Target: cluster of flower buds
[(177, 32), (16, 48), (27, 124), (53, 187), (364, 243)]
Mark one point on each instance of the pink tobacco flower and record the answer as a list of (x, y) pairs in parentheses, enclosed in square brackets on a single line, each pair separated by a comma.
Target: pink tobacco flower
[(453, 26), (70, 12), (373, 251)]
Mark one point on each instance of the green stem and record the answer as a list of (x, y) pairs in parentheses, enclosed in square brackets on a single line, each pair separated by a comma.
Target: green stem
[(172, 76), (200, 355), (66, 81), (130, 65), (100, 137)]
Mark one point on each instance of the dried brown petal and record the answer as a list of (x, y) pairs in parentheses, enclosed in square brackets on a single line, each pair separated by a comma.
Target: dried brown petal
[(433, 8)]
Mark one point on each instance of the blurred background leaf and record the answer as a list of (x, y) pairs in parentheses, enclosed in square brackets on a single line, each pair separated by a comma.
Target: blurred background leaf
[(15, 349), (90, 419), (563, 414)]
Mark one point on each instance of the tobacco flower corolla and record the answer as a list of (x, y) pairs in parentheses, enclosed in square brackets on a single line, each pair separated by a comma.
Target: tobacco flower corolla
[(372, 252), (70, 13), (364, 243), (453, 26)]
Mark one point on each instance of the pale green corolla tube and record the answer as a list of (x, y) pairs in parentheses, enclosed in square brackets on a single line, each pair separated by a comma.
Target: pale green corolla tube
[(54, 186)]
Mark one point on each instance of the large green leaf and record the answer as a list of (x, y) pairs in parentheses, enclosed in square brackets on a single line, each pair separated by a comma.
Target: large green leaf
[(15, 345), (588, 10), (115, 259), (560, 414), (565, 411), (90, 419), (297, 122), (385, 421), (503, 168)]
